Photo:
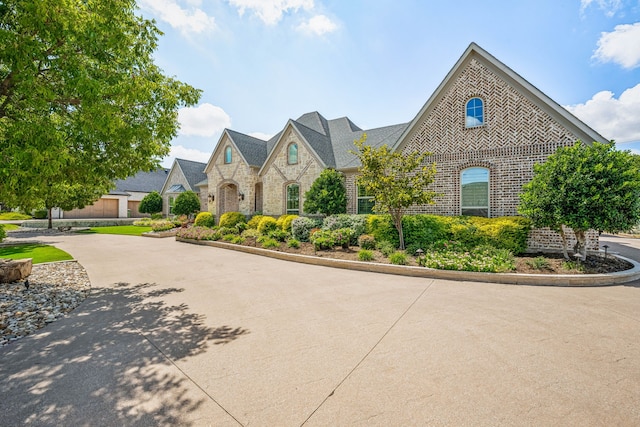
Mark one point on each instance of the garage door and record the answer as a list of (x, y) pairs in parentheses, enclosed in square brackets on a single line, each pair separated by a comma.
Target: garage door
[(133, 209), (103, 208)]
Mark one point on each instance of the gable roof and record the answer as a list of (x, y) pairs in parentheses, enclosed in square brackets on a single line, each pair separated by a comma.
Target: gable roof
[(253, 150), (143, 182), (193, 171), (555, 110)]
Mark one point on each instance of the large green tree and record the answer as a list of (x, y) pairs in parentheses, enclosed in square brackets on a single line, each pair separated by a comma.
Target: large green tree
[(396, 181), (151, 203), (584, 187), (81, 101), (187, 203), (327, 194)]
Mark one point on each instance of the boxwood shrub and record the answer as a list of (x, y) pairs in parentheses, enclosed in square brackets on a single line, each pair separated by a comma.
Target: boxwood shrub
[(205, 219), (231, 219), (267, 224)]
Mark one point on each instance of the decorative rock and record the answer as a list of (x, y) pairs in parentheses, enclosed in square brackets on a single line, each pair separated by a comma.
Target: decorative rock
[(14, 270)]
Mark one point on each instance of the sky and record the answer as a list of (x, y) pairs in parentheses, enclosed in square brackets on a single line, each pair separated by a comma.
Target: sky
[(260, 63)]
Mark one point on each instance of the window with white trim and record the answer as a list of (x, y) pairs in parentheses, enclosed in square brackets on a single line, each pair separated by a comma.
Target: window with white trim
[(292, 154), (365, 201), (474, 113), (227, 154), (293, 199)]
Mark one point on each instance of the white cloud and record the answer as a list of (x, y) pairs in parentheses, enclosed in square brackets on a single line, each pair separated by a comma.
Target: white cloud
[(621, 46), (318, 25), (203, 120), (262, 136), (613, 118), (270, 11), (610, 7), (181, 152), (187, 21)]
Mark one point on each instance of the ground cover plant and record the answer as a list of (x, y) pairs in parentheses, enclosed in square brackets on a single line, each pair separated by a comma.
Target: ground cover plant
[(8, 227), (39, 253), (13, 216)]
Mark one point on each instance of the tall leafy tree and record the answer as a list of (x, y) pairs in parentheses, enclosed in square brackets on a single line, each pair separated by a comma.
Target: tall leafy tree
[(151, 203), (81, 101), (584, 187), (396, 181), (327, 195), (187, 203)]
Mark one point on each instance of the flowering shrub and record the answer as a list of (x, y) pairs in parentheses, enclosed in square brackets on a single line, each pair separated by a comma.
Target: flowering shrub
[(367, 241), (162, 225), (199, 233), (342, 237), (301, 228), (205, 219)]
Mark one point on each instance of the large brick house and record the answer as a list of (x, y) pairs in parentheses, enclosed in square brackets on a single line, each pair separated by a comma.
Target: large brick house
[(485, 125)]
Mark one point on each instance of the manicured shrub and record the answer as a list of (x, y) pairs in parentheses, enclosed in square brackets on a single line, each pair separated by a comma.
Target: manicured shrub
[(267, 224), (323, 240), (327, 195), (151, 203), (250, 232), (231, 219), (186, 203), (293, 243), (382, 229), (483, 258), (301, 227), (254, 221), (398, 258), (365, 255), (284, 222), (367, 241), (205, 219)]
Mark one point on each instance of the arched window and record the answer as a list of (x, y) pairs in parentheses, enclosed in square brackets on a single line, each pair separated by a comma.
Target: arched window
[(292, 154), (474, 192), (293, 199), (227, 154), (474, 113)]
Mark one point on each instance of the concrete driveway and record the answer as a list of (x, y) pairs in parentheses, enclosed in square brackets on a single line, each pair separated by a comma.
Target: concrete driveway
[(179, 334)]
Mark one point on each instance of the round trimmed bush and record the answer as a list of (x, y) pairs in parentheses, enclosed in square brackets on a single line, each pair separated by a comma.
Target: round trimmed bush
[(205, 219), (254, 221), (267, 224), (231, 219)]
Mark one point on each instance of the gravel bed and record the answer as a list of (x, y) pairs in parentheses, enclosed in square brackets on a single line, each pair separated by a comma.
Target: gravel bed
[(54, 290)]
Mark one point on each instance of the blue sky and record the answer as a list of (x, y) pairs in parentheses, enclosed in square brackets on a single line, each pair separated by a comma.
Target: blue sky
[(262, 62)]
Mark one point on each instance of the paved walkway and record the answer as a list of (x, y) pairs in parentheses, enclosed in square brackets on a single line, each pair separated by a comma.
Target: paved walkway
[(179, 334)]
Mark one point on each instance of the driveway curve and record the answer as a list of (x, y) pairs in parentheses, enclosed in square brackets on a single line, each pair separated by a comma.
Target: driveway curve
[(179, 334)]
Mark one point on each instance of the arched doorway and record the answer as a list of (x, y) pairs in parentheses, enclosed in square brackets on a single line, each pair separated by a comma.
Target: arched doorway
[(228, 199)]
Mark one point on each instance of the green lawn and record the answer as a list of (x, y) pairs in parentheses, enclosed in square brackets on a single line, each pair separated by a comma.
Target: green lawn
[(39, 253), (13, 216), (8, 227), (128, 230)]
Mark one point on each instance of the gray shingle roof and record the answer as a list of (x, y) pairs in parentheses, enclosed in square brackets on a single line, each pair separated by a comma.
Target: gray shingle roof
[(143, 182), (176, 188), (193, 172), (320, 143), (253, 150)]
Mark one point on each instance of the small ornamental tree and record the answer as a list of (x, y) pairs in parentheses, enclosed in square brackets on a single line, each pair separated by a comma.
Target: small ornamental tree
[(327, 195), (584, 187), (151, 203), (395, 180), (186, 203)]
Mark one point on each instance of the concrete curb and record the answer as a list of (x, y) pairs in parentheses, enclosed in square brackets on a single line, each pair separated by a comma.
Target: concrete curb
[(460, 276)]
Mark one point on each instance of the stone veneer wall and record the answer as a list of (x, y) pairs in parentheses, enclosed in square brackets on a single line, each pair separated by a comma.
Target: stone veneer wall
[(175, 177), (278, 174), (237, 173)]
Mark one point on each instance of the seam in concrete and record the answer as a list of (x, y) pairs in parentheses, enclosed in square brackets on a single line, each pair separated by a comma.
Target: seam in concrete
[(369, 352), (187, 375), (571, 280)]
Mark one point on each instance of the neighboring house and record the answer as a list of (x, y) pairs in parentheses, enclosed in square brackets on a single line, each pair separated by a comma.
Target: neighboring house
[(124, 200), (185, 175), (485, 125)]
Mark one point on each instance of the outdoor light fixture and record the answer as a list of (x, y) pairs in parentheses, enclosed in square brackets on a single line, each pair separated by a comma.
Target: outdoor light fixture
[(212, 197), (605, 250), (240, 196), (419, 252)]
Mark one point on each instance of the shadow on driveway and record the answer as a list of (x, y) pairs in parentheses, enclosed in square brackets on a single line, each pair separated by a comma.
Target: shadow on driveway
[(110, 362)]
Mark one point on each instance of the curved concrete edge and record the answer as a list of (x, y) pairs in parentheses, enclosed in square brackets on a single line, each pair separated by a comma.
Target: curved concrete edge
[(583, 280), (159, 234)]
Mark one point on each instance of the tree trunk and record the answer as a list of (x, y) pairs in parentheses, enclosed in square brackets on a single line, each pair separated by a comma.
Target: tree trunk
[(397, 221), (581, 244), (50, 218), (565, 251)]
